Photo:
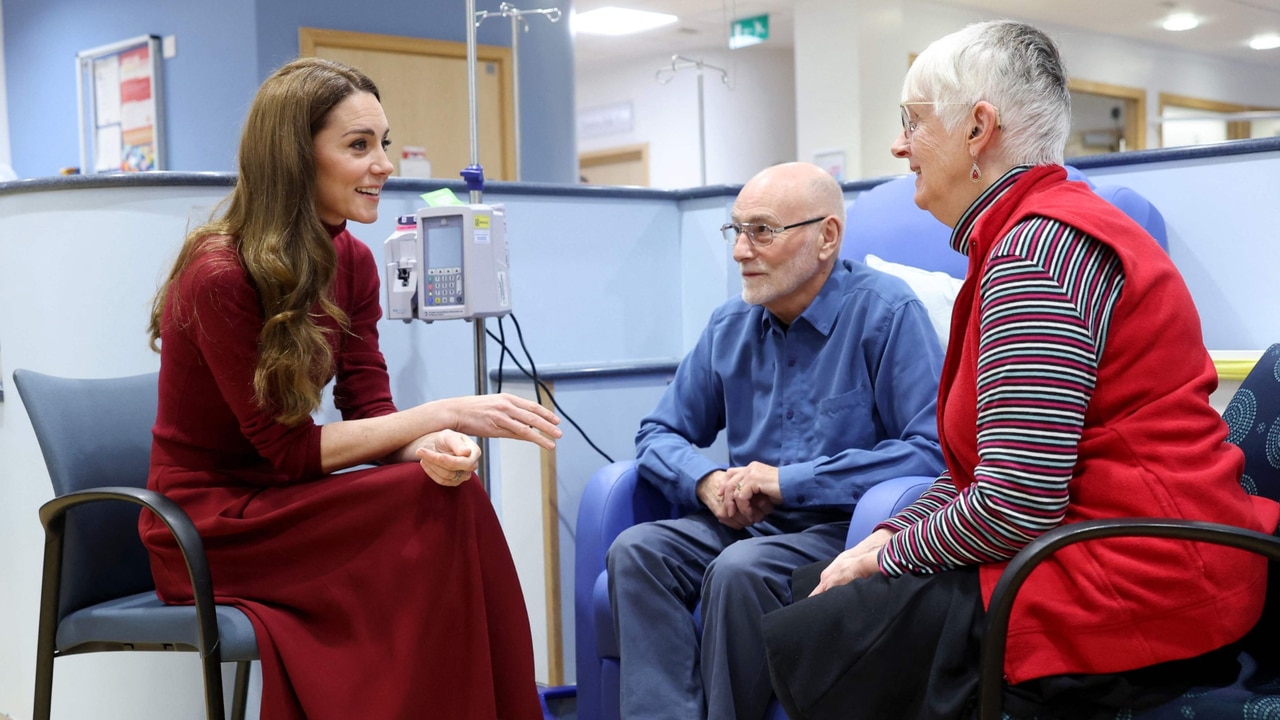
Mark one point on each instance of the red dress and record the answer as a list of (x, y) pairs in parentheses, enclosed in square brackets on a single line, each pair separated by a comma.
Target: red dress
[(375, 593)]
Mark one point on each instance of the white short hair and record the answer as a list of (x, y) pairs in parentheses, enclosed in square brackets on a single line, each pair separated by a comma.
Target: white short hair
[(1011, 65)]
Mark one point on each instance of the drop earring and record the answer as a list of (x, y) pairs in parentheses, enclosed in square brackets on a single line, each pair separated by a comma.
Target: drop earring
[(975, 172)]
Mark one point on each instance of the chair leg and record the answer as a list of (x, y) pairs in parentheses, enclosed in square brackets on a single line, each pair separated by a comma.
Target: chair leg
[(240, 696), (44, 686), (213, 704)]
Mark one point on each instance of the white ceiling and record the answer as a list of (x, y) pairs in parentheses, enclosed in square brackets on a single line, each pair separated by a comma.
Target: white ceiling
[(1226, 27)]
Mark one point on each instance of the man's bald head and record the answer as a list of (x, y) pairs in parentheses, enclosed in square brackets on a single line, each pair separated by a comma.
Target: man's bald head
[(797, 209), (804, 186)]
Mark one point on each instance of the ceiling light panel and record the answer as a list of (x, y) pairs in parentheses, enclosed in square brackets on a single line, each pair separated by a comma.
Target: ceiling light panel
[(1177, 22), (618, 21)]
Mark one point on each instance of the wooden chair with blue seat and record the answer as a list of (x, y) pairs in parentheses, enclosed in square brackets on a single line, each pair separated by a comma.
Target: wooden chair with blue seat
[(1253, 416), (97, 594)]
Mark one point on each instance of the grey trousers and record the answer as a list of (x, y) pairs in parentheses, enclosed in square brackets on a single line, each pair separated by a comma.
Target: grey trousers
[(658, 573)]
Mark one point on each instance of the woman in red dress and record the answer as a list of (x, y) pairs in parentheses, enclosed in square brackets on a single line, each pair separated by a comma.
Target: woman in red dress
[(376, 593)]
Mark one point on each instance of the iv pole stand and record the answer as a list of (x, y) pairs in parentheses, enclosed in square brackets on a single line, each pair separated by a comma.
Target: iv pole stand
[(517, 17), (678, 63), (474, 175)]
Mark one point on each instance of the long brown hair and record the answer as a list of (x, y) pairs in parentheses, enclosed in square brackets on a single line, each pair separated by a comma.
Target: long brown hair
[(271, 220)]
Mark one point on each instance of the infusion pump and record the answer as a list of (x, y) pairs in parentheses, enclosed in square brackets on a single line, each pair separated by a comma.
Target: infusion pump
[(448, 263)]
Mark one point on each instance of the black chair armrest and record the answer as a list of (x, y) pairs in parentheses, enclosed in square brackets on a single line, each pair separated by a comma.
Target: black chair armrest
[(991, 680), (53, 516)]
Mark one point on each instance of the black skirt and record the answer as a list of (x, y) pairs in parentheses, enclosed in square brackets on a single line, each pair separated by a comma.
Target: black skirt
[(908, 648), (878, 647)]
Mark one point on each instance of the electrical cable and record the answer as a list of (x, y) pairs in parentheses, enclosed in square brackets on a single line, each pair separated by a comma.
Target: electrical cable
[(538, 385), (502, 342), (532, 367)]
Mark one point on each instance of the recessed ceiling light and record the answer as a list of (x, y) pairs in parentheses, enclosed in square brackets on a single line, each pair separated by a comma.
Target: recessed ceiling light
[(618, 21), (1177, 22), (1268, 41)]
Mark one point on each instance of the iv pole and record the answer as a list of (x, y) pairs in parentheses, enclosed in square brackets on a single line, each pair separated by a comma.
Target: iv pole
[(665, 75), (517, 18), (474, 176)]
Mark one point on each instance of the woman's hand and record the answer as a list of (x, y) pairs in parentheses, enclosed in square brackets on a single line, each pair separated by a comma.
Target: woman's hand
[(858, 561), (505, 416), (449, 458)]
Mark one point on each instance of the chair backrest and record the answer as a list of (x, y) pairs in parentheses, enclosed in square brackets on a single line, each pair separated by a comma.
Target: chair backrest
[(95, 433), (1253, 414), (886, 222)]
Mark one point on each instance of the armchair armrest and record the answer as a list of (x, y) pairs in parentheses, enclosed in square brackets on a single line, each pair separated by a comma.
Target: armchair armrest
[(990, 683), (53, 518), (882, 501), (614, 499)]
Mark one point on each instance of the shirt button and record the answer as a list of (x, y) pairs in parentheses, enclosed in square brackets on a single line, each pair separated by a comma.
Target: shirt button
[(791, 362), (791, 414)]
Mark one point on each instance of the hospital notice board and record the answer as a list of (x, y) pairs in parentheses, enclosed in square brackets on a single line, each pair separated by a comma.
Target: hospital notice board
[(119, 98)]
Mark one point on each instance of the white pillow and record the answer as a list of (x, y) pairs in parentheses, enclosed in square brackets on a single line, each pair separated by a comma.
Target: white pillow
[(937, 290)]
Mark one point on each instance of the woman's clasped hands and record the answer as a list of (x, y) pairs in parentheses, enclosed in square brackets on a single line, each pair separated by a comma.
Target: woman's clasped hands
[(450, 456)]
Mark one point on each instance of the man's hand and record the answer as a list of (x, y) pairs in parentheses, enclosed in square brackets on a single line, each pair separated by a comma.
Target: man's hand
[(754, 490), (858, 561), (741, 496), (711, 492)]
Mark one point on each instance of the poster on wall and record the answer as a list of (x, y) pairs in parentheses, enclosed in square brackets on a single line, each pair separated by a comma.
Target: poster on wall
[(121, 123)]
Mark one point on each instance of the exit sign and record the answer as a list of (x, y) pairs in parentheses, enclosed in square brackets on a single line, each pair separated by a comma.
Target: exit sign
[(749, 31)]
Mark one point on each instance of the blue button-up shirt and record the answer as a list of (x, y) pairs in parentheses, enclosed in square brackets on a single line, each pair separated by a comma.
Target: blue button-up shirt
[(840, 400)]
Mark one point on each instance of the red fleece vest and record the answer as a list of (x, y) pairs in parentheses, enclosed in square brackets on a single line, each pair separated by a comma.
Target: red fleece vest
[(1151, 446)]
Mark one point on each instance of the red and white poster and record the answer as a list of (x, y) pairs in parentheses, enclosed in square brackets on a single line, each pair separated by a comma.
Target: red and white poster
[(125, 128)]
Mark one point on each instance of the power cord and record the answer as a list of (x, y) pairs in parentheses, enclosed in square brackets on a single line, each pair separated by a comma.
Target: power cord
[(538, 386)]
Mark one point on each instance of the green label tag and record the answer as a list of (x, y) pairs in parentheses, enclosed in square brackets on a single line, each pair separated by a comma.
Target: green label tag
[(443, 196)]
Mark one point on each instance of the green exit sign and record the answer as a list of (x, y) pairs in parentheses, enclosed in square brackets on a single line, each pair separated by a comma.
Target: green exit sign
[(749, 31)]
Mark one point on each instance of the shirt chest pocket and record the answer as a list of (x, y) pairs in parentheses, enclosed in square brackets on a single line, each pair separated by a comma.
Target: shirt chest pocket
[(846, 421)]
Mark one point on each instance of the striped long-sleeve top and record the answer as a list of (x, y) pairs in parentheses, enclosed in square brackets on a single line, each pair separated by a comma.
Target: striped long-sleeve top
[(1045, 301)]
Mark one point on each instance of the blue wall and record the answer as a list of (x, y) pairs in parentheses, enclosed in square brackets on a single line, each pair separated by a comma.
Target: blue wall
[(207, 86), (226, 49)]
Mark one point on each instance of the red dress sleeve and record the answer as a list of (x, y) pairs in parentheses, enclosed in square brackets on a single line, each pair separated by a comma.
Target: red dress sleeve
[(217, 310), (362, 388)]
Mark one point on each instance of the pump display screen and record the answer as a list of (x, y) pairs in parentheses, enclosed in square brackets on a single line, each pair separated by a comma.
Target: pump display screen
[(444, 246), (444, 260)]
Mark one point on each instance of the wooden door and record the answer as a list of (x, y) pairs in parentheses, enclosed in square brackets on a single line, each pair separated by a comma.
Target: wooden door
[(627, 165), (423, 84)]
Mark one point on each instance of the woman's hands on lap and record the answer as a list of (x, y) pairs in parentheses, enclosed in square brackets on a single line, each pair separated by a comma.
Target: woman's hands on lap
[(448, 457), (858, 561)]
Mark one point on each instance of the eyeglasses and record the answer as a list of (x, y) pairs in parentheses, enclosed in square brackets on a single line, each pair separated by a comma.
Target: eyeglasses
[(910, 126), (759, 234)]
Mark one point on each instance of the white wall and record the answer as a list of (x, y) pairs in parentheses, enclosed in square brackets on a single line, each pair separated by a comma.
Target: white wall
[(749, 122), (851, 56), (848, 62)]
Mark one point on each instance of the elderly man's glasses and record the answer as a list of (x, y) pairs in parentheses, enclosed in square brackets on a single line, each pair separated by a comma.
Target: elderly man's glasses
[(910, 126), (759, 234)]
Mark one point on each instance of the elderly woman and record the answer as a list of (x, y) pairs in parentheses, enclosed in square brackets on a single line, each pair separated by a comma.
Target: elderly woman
[(1075, 386)]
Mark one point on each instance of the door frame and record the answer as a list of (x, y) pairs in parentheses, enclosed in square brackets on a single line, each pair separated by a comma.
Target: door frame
[(309, 38), (621, 153)]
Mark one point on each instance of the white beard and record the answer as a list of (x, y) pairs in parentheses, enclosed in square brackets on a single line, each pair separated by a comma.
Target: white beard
[(783, 279)]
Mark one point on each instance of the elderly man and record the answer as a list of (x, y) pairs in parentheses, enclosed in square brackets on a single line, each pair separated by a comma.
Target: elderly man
[(824, 376)]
